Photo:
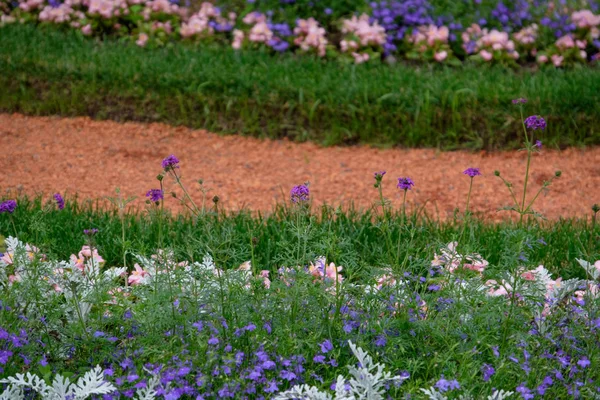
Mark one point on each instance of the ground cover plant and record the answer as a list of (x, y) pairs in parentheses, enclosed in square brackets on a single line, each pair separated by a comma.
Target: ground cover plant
[(299, 304), (46, 72)]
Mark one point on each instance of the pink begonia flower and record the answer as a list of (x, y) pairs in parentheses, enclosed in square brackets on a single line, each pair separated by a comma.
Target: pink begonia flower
[(557, 60), (585, 19), (486, 55), (264, 274), (142, 40), (440, 56), (332, 272), (495, 289), (238, 39), (7, 258), (138, 276), (78, 263)]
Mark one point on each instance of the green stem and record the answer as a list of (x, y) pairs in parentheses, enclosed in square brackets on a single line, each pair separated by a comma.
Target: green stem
[(469, 195), (525, 183)]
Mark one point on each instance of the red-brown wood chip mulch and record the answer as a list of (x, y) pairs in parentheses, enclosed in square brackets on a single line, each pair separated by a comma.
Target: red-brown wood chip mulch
[(92, 158)]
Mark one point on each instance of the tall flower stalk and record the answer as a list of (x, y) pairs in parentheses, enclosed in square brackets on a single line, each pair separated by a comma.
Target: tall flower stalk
[(530, 125)]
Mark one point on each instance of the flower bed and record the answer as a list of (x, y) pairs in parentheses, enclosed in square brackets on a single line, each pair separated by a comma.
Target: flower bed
[(544, 33), (441, 322)]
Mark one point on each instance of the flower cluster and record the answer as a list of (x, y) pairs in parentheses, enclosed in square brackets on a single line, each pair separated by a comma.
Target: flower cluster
[(363, 39), (430, 43), (310, 37), (396, 27), (489, 45)]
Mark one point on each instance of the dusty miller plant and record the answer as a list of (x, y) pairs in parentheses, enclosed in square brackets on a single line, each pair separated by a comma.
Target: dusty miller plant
[(367, 382), (62, 389)]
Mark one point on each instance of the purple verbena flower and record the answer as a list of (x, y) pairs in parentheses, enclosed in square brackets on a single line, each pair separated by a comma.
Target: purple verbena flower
[(520, 100), (378, 175), (60, 202), (155, 195), (405, 183), (8, 206), (90, 232), (472, 172), (299, 194), (170, 163), (535, 122), (538, 144)]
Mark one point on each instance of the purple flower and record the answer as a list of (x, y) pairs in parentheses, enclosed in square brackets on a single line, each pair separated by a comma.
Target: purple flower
[(487, 371), (538, 144), (472, 172), (535, 122), (525, 392), (405, 183), (169, 163), (155, 195), (90, 232), (584, 362), (8, 206), (433, 288), (60, 202), (326, 346), (319, 359), (380, 341), (443, 385), (520, 100), (379, 175), (299, 194)]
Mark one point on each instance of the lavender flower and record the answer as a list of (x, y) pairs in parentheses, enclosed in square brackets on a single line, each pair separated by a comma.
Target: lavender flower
[(299, 194), (60, 202), (538, 144), (472, 172), (535, 122), (405, 183), (487, 371), (520, 100), (170, 163), (155, 195), (8, 206), (443, 385), (90, 232)]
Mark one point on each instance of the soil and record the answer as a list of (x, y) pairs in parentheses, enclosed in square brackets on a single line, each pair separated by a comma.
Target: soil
[(92, 158)]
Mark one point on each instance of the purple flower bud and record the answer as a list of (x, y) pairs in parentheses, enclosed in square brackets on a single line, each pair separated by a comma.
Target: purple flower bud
[(90, 232), (538, 144), (60, 202)]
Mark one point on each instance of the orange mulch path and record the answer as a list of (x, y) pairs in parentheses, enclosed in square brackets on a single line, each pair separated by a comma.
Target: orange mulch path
[(92, 158)]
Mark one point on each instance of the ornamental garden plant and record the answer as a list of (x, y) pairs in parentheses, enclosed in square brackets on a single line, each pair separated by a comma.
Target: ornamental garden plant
[(301, 304)]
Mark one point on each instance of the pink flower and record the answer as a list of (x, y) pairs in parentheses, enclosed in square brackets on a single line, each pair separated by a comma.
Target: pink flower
[(542, 59), (597, 265), (528, 275), (264, 274), (440, 56), (77, 262), (557, 60), (138, 276), (142, 40), (486, 55), (332, 272)]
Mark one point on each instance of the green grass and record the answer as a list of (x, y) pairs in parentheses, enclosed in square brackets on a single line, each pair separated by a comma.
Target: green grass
[(360, 241), (47, 72)]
